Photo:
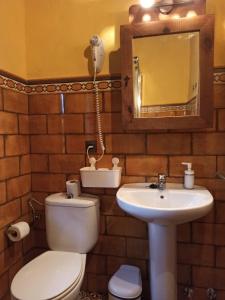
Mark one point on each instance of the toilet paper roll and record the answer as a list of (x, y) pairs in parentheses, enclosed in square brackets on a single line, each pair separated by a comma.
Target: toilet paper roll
[(73, 188), (18, 231)]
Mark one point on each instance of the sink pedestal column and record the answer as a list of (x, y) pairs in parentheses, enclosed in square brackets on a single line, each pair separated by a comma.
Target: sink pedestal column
[(163, 261)]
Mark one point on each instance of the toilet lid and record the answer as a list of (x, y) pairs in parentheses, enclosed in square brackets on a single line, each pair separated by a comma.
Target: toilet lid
[(47, 276)]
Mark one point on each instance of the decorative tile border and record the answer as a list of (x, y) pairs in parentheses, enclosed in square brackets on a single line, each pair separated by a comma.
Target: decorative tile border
[(75, 86), (219, 77), (12, 84), (79, 87), (190, 106), (51, 88)]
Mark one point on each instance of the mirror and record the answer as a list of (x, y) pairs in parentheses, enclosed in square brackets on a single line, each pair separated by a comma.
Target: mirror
[(166, 75), (168, 78)]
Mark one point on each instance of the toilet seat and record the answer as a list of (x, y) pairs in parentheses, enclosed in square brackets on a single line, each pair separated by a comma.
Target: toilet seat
[(52, 275)]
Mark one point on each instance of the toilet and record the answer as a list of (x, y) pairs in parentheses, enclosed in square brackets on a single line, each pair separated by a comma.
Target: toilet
[(72, 227)]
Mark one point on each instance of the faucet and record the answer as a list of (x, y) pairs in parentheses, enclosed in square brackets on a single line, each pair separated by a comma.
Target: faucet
[(161, 181)]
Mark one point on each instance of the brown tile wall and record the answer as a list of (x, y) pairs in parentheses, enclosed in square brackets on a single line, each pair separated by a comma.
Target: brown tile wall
[(15, 183), (58, 151), (39, 139)]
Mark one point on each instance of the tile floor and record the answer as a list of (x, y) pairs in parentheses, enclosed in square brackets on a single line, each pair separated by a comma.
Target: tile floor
[(90, 296)]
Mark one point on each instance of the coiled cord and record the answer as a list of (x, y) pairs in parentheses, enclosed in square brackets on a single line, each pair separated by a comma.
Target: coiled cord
[(98, 115)]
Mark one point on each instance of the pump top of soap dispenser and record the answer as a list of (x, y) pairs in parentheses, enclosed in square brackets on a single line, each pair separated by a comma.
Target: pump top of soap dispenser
[(189, 168)]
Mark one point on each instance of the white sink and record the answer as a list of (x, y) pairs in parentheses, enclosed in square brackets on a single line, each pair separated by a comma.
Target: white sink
[(174, 205), (163, 210)]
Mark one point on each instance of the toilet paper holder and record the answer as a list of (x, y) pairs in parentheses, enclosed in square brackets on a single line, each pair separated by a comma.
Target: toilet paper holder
[(35, 215)]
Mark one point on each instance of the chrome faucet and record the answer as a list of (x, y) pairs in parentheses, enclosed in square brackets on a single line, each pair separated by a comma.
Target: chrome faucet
[(161, 181)]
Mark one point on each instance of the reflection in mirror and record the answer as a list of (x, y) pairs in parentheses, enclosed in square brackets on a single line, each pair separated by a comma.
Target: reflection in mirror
[(166, 75)]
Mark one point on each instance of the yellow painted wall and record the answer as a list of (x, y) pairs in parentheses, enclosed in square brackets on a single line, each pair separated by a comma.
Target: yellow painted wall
[(217, 7), (12, 37), (165, 63), (194, 73), (57, 34)]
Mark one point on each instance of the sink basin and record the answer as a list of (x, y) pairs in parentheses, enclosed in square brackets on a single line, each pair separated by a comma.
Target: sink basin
[(174, 205), (163, 210)]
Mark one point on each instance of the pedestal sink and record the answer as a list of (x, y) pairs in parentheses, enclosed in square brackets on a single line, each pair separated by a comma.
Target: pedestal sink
[(163, 210)]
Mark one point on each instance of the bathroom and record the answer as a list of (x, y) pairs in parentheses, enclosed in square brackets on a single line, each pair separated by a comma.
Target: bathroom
[(47, 114)]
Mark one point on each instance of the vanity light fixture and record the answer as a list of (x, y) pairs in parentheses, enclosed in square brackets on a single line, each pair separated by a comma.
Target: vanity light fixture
[(164, 6)]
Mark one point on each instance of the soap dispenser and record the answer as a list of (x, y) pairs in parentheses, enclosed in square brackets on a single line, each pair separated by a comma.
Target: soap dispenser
[(189, 176)]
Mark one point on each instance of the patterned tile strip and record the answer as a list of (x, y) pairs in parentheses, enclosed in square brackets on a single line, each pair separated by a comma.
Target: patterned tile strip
[(219, 78), (12, 84), (51, 88), (74, 87)]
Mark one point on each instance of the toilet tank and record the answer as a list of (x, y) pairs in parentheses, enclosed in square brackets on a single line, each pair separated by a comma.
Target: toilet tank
[(72, 224)]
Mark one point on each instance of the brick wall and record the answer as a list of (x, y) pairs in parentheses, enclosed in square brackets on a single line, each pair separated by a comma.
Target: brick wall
[(58, 151), (51, 146), (15, 183)]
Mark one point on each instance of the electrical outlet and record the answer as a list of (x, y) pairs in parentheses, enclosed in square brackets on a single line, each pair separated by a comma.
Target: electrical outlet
[(91, 144)]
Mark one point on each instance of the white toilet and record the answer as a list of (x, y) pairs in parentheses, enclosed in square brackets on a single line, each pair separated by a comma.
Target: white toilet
[(72, 227)]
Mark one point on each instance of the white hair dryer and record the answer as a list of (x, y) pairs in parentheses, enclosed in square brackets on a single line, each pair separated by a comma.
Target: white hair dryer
[(98, 53)]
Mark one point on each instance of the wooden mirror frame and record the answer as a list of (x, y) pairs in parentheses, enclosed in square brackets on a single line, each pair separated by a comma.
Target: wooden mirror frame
[(202, 24)]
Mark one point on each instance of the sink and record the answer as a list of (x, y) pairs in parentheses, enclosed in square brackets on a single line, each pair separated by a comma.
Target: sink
[(174, 205), (163, 210)]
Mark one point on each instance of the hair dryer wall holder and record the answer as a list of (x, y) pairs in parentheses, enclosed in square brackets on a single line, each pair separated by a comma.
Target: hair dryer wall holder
[(101, 178)]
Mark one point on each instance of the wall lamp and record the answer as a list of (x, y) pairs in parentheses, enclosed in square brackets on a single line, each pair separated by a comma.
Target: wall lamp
[(158, 10), (164, 6)]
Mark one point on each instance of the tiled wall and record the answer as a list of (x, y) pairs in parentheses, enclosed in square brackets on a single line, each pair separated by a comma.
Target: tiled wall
[(58, 151), (15, 182)]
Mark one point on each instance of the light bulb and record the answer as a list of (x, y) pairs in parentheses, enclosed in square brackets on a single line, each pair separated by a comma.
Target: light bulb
[(191, 14), (176, 16), (131, 18), (146, 3), (146, 18)]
